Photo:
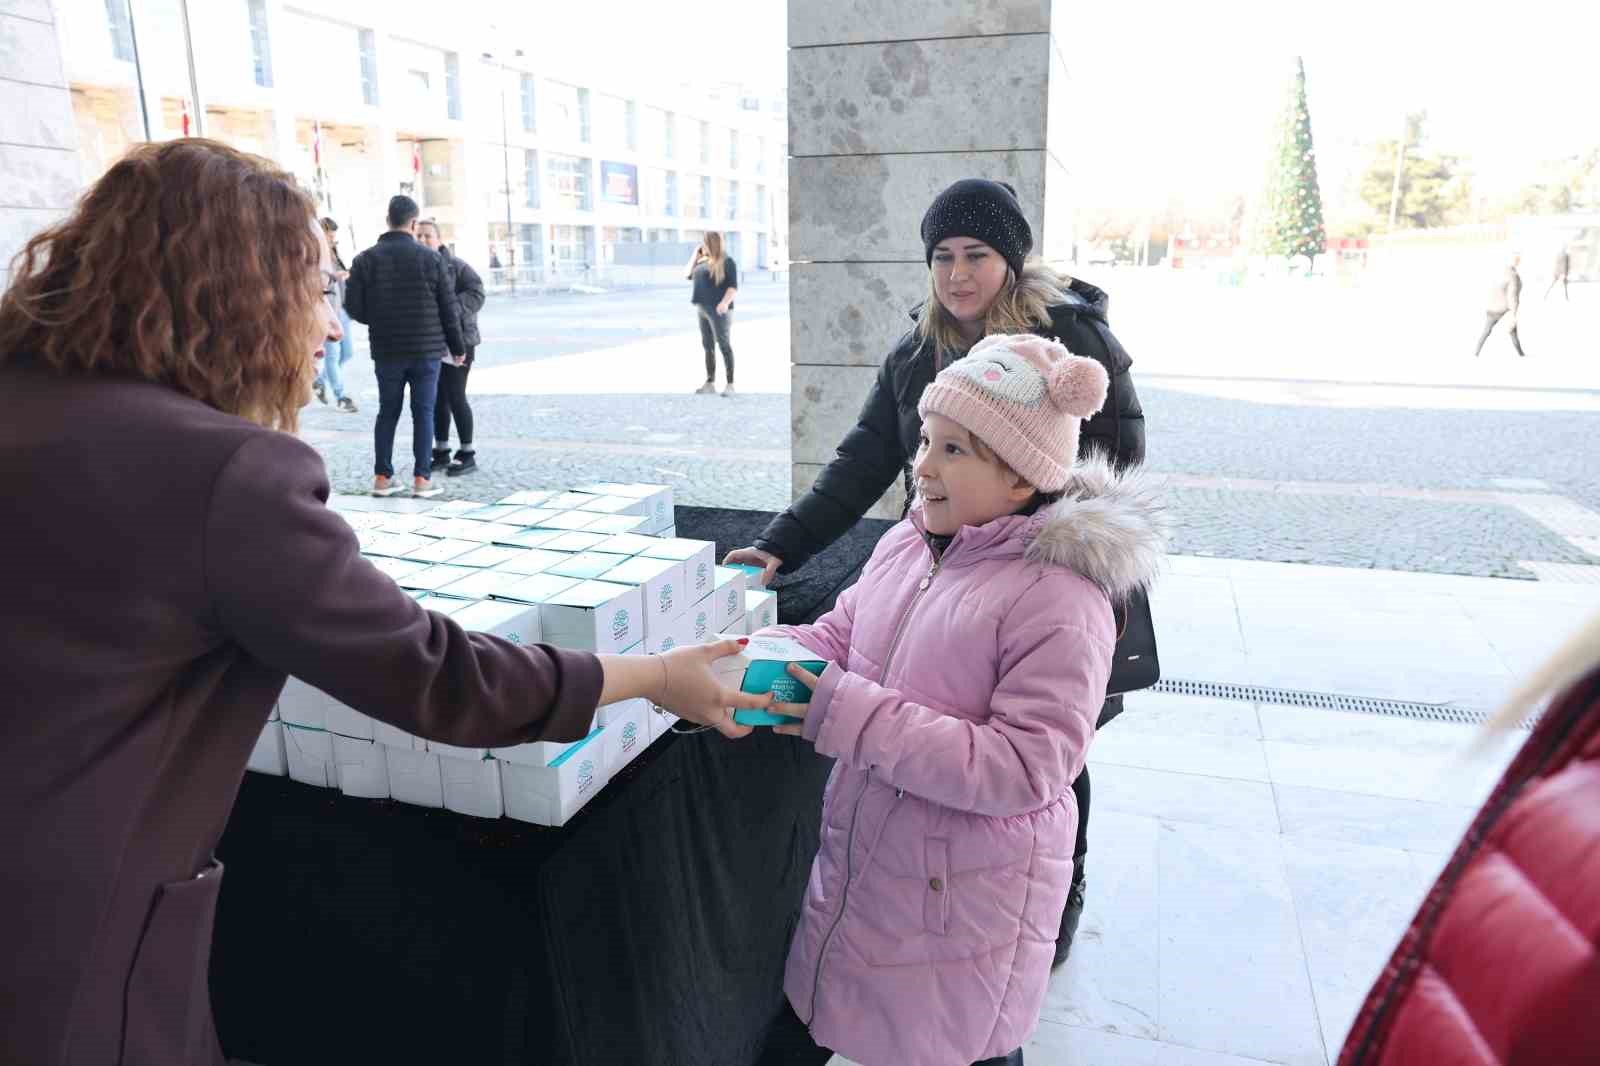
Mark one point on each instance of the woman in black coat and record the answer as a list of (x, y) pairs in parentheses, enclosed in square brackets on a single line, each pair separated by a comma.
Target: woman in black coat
[(980, 282)]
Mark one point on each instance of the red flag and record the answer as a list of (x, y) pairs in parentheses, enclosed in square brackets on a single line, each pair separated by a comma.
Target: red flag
[(186, 118), (316, 144), (416, 158)]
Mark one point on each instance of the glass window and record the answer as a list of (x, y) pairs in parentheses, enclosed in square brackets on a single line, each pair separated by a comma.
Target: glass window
[(693, 192), (733, 201), (705, 197), (658, 236), (761, 155), (705, 143), (660, 191), (121, 30), (569, 182), (452, 85), (613, 116), (672, 193), (369, 68), (569, 248), (671, 135), (566, 110), (527, 245), (733, 149), (528, 100), (260, 46), (633, 126), (612, 236), (437, 189), (761, 204), (530, 170), (584, 131)]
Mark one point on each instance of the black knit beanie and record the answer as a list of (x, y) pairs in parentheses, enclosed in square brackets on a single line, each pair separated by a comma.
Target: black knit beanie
[(984, 210)]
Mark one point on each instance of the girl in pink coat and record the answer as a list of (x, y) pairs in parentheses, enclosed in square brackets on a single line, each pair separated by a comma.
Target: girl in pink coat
[(966, 669)]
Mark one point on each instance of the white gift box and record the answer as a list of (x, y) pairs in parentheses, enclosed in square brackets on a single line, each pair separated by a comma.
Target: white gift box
[(661, 586), (575, 541), (303, 705), (401, 523), (347, 722), (656, 498), (395, 737), (414, 777), (308, 754), (727, 600), (570, 501), (437, 577), (533, 538), (594, 616), (620, 523), (614, 712), (268, 757), (612, 505), (700, 617), (699, 559), (540, 753), (585, 566), (627, 735), (761, 610), (628, 544), (569, 520), (494, 512), (471, 786), (432, 601), (532, 561), (551, 795), (488, 555), (452, 508), (529, 517), (363, 768), (444, 550), (529, 497), (677, 633), (536, 588), (480, 584), (395, 569), (393, 545)]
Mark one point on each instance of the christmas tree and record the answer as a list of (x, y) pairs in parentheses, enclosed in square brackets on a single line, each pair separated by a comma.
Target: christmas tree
[(1290, 222)]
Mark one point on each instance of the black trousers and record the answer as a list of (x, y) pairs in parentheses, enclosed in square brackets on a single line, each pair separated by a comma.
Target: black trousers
[(1488, 328), (715, 332), (453, 402), (789, 1043)]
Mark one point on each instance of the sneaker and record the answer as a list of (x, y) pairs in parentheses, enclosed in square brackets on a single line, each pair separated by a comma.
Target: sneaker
[(320, 391), (708, 389), (423, 489), (729, 390), (386, 486), (347, 405), (463, 463), (441, 458)]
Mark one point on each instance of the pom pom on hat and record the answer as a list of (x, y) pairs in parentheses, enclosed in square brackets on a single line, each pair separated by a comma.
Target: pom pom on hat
[(1078, 386)]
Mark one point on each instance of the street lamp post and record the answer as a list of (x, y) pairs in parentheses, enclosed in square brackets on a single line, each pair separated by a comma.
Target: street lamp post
[(505, 159)]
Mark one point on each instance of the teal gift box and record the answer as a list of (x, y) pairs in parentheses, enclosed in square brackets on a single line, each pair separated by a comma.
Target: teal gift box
[(762, 667)]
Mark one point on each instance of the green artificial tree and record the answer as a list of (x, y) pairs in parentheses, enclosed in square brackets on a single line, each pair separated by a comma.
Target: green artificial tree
[(1290, 222)]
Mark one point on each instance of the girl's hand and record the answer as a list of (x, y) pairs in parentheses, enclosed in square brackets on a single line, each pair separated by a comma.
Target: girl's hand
[(795, 710)]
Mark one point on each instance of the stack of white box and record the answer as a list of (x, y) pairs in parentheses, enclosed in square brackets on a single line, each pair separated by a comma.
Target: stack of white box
[(599, 569)]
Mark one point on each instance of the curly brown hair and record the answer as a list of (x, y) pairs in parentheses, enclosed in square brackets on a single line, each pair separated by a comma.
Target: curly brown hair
[(189, 264)]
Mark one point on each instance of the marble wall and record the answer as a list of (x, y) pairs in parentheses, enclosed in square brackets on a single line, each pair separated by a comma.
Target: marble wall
[(888, 104), (39, 172)]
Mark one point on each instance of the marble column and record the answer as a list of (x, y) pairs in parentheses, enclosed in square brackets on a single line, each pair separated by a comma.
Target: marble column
[(888, 104), (39, 171)]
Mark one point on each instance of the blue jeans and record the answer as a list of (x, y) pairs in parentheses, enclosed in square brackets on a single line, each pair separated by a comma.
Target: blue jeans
[(335, 354), (393, 377)]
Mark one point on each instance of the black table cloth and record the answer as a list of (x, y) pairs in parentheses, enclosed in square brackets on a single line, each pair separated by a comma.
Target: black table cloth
[(652, 929)]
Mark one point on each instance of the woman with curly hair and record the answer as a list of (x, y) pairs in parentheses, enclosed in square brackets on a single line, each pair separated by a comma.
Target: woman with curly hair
[(171, 561)]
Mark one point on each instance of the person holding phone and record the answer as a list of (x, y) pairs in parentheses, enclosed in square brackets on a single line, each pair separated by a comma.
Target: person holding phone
[(716, 282)]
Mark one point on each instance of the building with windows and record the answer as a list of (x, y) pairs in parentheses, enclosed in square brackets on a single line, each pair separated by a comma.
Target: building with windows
[(553, 169)]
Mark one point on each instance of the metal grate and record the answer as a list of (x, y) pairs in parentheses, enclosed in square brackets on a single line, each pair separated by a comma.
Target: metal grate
[(1328, 701)]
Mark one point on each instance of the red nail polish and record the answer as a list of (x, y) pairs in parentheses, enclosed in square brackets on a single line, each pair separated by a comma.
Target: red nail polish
[(743, 641)]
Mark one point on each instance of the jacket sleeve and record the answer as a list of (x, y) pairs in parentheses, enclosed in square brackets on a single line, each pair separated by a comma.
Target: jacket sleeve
[(1118, 428), (288, 585), (469, 289), (731, 279), (1053, 667), (444, 290), (355, 290), (868, 461)]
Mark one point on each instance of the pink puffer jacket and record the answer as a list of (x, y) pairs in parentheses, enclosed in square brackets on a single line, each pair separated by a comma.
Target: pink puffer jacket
[(960, 717)]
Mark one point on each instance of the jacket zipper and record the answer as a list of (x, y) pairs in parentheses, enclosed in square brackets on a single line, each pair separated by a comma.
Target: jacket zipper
[(855, 813)]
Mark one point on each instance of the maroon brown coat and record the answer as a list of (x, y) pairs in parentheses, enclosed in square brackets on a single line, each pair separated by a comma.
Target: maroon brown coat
[(164, 567)]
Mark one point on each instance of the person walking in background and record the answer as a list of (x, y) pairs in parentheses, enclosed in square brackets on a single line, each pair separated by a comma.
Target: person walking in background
[(981, 281), (336, 353), (452, 401), (1505, 298), (1558, 275), (716, 283), (403, 293)]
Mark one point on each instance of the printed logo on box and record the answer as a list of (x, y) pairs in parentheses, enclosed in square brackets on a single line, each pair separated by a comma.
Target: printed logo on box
[(733, 601), (619, 624), (668, 644), (585, 776), (630, 736), (666, 597), (702, 576), (515, 638), (760, 644), (702, 625), (661, 510)]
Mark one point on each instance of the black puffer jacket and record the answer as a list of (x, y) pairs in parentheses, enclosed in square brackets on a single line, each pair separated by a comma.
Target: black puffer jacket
[(404, 293), (881, 446), (468, 287)]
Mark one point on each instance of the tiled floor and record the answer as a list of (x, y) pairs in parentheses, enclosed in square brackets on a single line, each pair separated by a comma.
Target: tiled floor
[(1251, 866)]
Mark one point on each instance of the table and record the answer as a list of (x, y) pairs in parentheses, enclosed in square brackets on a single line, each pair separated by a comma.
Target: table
[(652, 929)]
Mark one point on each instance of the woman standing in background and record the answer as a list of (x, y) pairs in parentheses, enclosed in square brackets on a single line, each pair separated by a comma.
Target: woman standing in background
[(716, 283)]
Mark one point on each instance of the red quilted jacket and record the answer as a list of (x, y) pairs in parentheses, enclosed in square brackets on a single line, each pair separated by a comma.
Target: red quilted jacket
[(1502, 963)]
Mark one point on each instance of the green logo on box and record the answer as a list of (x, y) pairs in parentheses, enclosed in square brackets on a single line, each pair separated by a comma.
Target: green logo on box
[(619, 624), (514, 638), (666, 597), (668, 644), (585, 776), (702, 625), (630, 736), (702, 575)]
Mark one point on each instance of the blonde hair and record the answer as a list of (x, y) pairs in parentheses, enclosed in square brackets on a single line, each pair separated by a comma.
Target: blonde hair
[(716, 258), (1576, 658), (1023, 305)]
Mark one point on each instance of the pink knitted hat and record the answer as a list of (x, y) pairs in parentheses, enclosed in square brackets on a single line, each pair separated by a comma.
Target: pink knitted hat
[(1023, 396)]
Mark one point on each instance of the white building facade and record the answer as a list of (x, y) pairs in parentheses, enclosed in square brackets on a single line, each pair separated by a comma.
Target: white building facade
[(531, 161)]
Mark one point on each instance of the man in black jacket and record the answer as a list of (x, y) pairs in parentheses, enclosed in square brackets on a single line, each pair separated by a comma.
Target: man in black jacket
[(404, 294)]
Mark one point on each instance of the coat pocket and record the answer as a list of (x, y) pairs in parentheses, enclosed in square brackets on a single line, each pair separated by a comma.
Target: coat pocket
[(936, 896), (167, 1009)]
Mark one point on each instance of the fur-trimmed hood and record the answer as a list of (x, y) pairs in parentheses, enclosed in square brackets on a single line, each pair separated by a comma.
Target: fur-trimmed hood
[(1108, 526)]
